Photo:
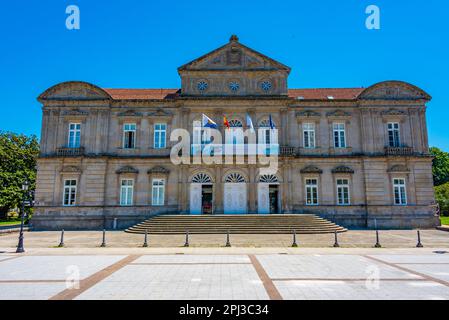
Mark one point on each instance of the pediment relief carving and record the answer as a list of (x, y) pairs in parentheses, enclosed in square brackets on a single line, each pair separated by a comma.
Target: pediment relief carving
[(127, 169), (398, 168), (158, 170), (338, 114), (308, 114), (342, 169), (160, 113), (71, 169), (129, 113), (311, 169), (394, 90), (74, 90)]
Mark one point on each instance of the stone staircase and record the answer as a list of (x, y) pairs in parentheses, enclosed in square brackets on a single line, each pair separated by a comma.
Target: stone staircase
[(236, 224)]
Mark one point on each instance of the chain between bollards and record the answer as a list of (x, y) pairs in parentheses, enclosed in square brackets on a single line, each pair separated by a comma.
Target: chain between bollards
[(103, 244), (228, 242), (294, 244), (419, 244), (145, 241), (61, 243), (377, 245), (336, 244), (186, 244)]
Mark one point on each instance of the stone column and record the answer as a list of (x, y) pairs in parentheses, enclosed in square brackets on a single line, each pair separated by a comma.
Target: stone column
[(284, 127), (252, 185), (218, 192)]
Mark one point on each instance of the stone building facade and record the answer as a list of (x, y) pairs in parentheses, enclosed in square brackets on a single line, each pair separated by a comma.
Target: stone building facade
[(354, 155)]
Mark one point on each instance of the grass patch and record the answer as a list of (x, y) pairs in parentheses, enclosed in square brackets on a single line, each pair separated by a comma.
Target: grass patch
[(9, 222), (444, 220)]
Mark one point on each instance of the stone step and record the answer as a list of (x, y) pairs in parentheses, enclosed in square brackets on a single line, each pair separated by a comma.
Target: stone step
[(244, 224)]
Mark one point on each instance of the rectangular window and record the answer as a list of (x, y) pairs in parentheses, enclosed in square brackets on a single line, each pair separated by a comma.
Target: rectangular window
[(126, 192), (393, 134), (339, 135), (311, 192), (400, 195), (158, 192), (74, 135), (69, 199), (129, 135), (309, 135), (160, 132), (343, 192)]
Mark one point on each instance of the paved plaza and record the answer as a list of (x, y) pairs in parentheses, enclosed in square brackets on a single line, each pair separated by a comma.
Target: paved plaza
[(248, 270)]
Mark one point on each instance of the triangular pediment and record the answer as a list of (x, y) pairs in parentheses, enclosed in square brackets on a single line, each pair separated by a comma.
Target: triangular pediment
[(234, 56)]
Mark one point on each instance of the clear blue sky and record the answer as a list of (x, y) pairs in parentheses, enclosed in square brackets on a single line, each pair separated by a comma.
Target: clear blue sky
[(140, 43)]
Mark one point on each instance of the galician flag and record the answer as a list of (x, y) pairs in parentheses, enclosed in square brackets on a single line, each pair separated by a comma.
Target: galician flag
[(249, 122), (208, 122)]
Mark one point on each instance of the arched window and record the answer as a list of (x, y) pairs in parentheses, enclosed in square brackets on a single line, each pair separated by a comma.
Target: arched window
[(235, 178), (266, 123), (201, 178), (268, 178)]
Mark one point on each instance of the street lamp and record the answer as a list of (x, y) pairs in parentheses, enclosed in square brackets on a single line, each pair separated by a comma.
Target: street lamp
[(25, 187)]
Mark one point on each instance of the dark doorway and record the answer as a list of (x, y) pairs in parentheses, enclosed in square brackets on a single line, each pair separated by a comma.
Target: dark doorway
[(206, 199), (274, 199)]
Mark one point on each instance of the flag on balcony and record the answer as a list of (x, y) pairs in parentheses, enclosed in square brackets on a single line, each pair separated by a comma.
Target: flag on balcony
[(226, 123), (249, 122), (271, 123), (208, 122)]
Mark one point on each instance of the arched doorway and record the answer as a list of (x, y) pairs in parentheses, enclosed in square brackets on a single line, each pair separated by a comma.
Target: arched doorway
[(235, 199), (201, 194), (268, 199)]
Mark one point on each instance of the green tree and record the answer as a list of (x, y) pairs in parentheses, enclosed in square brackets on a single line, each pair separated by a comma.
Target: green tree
[(18, 154), (440, 166), (442, 197)]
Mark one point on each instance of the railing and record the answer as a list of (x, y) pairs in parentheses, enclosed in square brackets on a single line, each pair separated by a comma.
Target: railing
[(398, 151), (69, 152), (288, 151)]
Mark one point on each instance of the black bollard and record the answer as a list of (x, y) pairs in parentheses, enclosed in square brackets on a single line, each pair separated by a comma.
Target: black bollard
[(186, 244), (228, 243), (61, 244), (419, 245), (377, 245), (294, 244), (336, 244), (145, 241), (103, 244)]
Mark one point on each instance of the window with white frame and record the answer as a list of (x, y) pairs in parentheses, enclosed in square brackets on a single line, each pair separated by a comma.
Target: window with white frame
[(339, 135), (393, 134), (400, 194), (69, 197), (308, 130), (160, 133), (126, 192), (311, 192), (158, 192), (129, 135), (343, 192), (74, 135)]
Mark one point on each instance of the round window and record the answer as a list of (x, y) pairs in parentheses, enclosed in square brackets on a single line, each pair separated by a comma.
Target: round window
[(202, 85), (234, 86), (266, 86)]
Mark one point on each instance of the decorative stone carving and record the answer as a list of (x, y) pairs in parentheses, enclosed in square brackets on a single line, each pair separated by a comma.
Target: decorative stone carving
[(71, 169), (75, 112), (307, 114), (129, 113), (338, 114), (74, 90), (158, 170), (342, 169), (393, 112), (398, 168), (160, 113), (311, 169), (127, 169), (393, 90)]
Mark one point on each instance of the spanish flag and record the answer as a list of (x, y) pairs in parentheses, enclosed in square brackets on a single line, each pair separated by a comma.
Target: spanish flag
[(225, 122)]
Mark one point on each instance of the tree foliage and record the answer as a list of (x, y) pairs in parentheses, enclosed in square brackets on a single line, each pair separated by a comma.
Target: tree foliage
[(442, 197), (18, 154), (440, 167)]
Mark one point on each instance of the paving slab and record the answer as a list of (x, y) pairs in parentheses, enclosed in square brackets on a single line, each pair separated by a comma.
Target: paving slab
[(29, 291)]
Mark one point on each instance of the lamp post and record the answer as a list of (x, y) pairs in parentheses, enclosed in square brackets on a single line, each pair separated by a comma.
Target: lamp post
[(25, 187)]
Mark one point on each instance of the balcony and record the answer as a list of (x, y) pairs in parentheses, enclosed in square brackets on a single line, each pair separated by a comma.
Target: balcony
[(287, 151), (69, 152), (398, 151)]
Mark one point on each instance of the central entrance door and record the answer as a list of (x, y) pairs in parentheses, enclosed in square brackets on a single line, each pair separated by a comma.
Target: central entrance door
[(268, 195), (206, 199), (235, 198), (201, 194)]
